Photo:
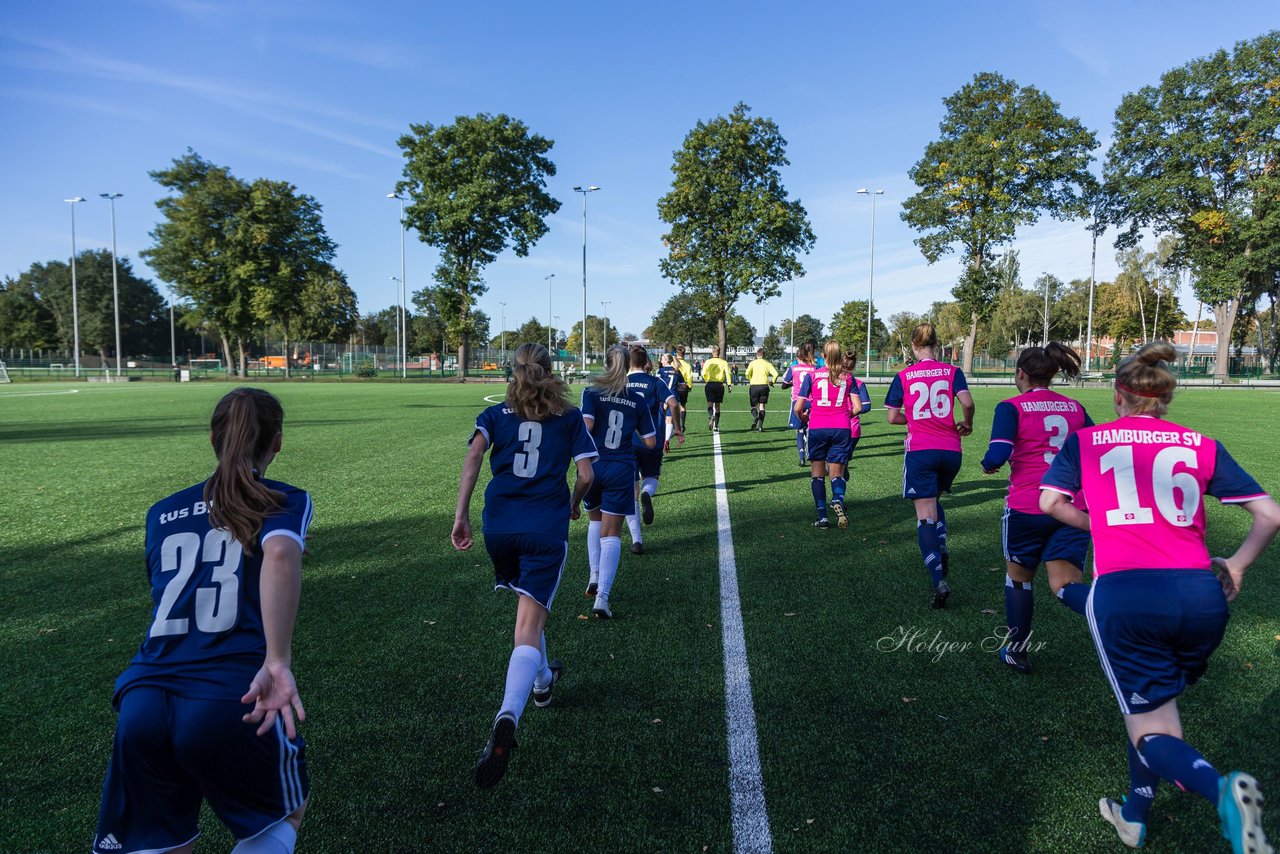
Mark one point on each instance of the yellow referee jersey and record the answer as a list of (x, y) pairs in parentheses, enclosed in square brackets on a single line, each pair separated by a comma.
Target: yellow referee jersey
[(761, 372), (686, 371), (715, 371)]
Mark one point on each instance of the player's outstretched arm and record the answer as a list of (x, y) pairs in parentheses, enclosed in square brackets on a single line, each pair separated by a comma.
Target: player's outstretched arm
[(894, 415), (1266, 522), (273, 691), (461, 534), (1060, 506), (586, 474)]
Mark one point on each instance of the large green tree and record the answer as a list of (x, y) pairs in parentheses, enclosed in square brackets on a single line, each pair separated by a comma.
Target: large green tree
[(476, 187), (595, 336), (733, 231), (849, 327), (25, 321), (683, 319), (1005, 156), (1198, 157), (328, 309), (807, 328)]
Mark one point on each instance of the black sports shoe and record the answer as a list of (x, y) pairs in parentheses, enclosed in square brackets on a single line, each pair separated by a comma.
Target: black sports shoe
[(646, 507), (542, 698), (1015, 660), (940, 594), (637, 548), (493, 760), (822, 523), (590, 592), (946, 563)]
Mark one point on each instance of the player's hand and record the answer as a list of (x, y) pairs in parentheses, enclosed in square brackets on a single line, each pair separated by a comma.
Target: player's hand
[(575, 512), (679, 438), (964, 429), (1232, 579), (306, 548), (461, 534), (273, 692), (986, 470)]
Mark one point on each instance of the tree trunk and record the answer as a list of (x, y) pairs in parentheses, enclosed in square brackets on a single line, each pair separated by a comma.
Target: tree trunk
[(1224, 315), (1271, 345), (969, 341), (722, 334), (244, 359), (226, 355)]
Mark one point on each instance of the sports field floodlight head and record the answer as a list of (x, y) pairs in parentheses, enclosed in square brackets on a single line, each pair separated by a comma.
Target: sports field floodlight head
[(74, 199), (111, 197), (585, 190), (394, 196)]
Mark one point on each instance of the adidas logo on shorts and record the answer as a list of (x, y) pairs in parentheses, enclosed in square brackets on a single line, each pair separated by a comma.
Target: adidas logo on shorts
[(1136, 699), (109, 843)]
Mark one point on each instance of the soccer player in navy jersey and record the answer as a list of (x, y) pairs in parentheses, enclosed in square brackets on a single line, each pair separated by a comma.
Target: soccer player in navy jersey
[(1158, 607), (669, 376), (532, 437), (224, 559), (659, 398), (1027, 432), (613, 414)]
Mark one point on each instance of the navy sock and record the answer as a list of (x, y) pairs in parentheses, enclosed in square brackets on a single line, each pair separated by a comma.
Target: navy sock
[(819, 487), (1019, 603), (1180, 764), (927, 535), (942, 527), (1142, 789), (800, 444), (837, 489), (1075, 596)]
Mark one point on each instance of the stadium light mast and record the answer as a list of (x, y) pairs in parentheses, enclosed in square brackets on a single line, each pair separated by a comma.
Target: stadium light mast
[(115, 279), (75, 304), (604, 330), (399, 340), (504, 330), (871, 280), (402, 333), (548, 279), (1093, 267), (584, 190)]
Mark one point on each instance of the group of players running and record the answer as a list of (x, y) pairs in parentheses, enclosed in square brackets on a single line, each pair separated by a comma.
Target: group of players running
[(224, 559)]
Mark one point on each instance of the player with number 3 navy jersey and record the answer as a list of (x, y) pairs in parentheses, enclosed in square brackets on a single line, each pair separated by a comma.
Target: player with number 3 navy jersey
[(1156, 610), (207, 703)]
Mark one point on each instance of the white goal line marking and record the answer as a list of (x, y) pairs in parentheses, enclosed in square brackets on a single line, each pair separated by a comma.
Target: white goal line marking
[(751, 834), (37, 393)]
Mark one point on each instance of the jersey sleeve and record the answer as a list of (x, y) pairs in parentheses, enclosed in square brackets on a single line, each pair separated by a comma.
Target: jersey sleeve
[(894, 397), (644, 424), (1230, 483), (1004, 430), (484, 426), (959, 383), (864, 395), (786, 378), (664, 393), (806, 387), (1064, 474), (773, 373), (290, 521), (588, 404), (1088, 422), (581, 445)]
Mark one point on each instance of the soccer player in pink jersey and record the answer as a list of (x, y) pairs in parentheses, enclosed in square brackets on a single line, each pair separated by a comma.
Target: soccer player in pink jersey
[(792, 378), (1156, 609), (1027, 432), (855, 424), (920, 397), (827, 400)]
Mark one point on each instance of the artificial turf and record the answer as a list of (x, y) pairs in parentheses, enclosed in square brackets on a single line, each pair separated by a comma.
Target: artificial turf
[(401, 645)]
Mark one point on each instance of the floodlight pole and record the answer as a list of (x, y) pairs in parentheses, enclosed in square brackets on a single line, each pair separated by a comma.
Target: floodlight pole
[(871, 280), (399, 340), (504, 331), (173, 336), (403, 332), (584, 191), (548, 279), (1093, 266), (604, 331), (115, 280), (75, 302)]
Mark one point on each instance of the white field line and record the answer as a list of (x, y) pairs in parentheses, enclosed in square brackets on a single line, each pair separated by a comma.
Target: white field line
[(37, 393), (751, 834)]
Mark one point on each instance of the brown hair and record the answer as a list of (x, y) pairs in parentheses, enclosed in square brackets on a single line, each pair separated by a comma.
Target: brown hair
[(924, 336), (1144, 379), (715, 351), (1040, 364), (639, 358), (833, 355), (850, 360), (535, 393), (804, 353), (244, 428), (614, 379)]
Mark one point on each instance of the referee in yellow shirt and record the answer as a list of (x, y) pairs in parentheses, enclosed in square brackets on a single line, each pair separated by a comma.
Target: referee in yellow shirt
[(683, 383), (715, 373), (760, 375)]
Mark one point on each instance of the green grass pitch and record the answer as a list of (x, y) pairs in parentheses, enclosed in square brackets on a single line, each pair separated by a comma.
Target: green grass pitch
[(401, 646)]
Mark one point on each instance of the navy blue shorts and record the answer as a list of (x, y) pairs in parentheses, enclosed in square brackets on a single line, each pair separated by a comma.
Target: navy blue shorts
[(171, 752), (1032, 538), (795, 423), (830, 444), (1155, 630), (528, 563), (649, 461), (928, 474), (614, 487)]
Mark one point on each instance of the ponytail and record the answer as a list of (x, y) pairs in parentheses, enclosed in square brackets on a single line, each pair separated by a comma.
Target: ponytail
[(535, 393), (1040, 364), (1144, 380), (614, 380), (244, 428), (639, 358), (833, 355)]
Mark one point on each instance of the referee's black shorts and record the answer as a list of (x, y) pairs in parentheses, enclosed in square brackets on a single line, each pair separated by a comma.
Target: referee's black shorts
[(715, 392), (759, 395), (682, 393)]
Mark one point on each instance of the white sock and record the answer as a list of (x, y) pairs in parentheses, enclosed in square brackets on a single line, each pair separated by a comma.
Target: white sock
[(670, 430), (593, 550), (649, 485), (543, 679), (279, 838), (521, 671), (610, 555), (633, 525)]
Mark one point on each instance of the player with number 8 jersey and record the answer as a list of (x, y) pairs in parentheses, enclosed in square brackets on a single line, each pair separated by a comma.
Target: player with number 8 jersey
[(224, 559), (920, 397), (1156, 611)]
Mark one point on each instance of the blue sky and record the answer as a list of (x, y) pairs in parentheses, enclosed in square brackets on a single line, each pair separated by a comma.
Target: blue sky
[(93, 95)]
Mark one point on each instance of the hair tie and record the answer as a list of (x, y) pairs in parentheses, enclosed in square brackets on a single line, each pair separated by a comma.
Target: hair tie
[(1133, 391)]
